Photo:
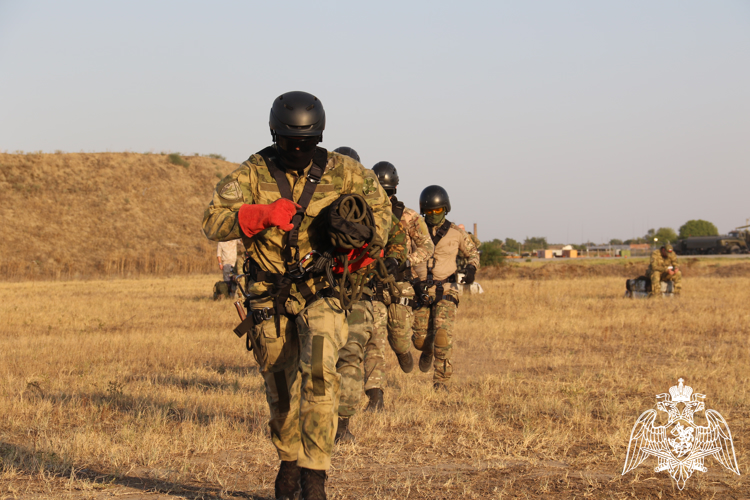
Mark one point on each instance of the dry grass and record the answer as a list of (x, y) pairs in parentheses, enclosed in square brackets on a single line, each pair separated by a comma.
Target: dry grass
[(86, 215), (138, 388)]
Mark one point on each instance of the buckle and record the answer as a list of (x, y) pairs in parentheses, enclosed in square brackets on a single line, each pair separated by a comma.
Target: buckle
[(261, 314), (300, 268)]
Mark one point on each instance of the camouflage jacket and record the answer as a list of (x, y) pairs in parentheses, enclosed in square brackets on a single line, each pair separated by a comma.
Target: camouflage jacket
[(418, 241), (396, 245), (461, 260), (443, 261), (659, 263), (252, 183)]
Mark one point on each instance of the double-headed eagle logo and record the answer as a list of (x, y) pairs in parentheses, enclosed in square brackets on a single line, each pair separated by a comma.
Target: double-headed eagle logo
[(680, 446)]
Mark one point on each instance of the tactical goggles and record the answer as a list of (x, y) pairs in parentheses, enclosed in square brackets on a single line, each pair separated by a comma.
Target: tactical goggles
[(301, 144), (438, 210), (390, 191)]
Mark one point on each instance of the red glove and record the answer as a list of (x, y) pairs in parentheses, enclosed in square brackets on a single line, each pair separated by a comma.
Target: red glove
[(255, 218), (353, 255)]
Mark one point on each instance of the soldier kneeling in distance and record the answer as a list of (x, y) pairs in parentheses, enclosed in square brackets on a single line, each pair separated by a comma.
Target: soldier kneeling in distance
[(663, 267)]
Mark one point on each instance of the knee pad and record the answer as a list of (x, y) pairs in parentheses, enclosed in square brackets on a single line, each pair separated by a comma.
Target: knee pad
[(418, 341), (441, 338)]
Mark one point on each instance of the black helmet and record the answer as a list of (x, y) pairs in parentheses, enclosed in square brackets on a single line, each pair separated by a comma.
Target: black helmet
[(346, 150), (387, 174), (433, 197), (297, 114)]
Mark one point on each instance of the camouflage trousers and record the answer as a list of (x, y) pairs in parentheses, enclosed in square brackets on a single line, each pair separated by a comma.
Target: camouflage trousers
[(302, 386), (400, 319), (657, 277), (366, 343), (433, 329)]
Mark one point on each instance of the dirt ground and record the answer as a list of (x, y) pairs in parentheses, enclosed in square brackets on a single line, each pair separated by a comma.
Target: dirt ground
[(138, 389)]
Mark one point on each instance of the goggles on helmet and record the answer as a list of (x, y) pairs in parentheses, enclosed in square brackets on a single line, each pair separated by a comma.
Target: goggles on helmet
[(301, 144), (438, 210)]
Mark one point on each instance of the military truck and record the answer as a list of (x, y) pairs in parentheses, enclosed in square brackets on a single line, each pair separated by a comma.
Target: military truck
[(734, 242)]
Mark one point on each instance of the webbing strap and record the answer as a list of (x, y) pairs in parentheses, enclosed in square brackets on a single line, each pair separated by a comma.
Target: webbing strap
[(442, 231), (319, 383), (282, 390), (320, 158), (397, 207)]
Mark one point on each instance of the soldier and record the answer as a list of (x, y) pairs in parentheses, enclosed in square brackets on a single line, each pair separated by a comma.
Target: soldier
[(433, 322), (420, 247), (663, 267), (294, 323), (367, 334)]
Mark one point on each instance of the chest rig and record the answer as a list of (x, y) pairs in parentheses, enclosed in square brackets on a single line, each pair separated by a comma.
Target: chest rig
[(298, 271), (421, 286)]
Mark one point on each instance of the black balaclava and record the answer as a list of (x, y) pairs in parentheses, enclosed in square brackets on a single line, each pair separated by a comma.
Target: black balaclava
[(296, 153)]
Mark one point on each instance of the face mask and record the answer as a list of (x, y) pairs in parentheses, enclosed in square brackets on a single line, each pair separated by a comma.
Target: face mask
[(296, 153), (435, 219)]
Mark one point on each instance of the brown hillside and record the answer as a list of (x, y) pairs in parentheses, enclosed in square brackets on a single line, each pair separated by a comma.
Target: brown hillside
[(104, 214)]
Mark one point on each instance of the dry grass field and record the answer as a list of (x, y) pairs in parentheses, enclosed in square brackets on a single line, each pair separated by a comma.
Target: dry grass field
[(138, 389)]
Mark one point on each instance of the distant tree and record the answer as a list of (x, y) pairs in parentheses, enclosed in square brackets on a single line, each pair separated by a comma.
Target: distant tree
[(663, 235), (615, 241), (491, 253), (512, 245), (650, 234), (634, 241), (536, 243), (698, 227)]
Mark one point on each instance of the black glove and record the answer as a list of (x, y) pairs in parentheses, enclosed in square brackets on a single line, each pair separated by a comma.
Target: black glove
[(469, 275), (391, 264)]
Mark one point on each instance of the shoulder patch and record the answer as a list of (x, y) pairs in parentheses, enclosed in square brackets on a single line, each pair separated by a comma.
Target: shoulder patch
[(231, 191), (369, 186)]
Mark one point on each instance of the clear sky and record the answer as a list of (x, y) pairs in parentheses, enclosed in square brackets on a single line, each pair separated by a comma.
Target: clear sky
[(584, 120)]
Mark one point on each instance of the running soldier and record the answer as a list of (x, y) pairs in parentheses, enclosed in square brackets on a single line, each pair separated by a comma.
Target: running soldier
[(420, 247), (275, 202), (367, 334), (435, 287)]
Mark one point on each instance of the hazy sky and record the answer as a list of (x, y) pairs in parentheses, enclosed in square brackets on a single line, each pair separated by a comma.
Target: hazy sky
[(571, 120)]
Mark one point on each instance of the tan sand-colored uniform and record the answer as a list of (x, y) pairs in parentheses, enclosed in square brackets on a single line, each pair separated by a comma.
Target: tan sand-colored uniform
[(441, 316)]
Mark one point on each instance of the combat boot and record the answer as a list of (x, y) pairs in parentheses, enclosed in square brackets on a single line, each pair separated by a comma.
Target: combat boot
[(287, 485), (343, 434), (406, 362), (313, 484), (425, 361), (440, 387), (376, 400)]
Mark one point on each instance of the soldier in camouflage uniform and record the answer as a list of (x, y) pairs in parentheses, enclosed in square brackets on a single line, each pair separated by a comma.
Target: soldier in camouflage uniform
[(367, 334), (663, 267), (419, 247), (433, 323), (275, 202)]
